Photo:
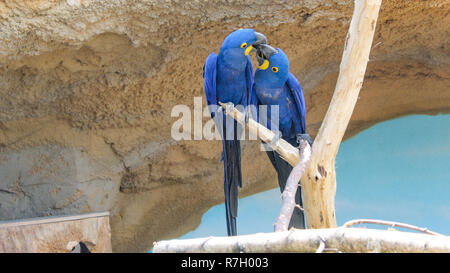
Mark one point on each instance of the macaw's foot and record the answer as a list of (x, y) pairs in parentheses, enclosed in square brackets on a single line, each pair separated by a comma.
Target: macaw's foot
[(219, 109), (304, 137), (275, 138), (228, 107)]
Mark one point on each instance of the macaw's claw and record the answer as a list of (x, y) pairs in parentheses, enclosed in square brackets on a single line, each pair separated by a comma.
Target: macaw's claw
[(228, 107), (304, 137)]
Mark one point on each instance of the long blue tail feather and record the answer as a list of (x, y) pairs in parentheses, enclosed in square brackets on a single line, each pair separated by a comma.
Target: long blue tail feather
[(232, 180)]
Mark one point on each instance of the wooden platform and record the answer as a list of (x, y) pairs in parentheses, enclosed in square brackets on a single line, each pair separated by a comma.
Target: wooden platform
[(56, 234)]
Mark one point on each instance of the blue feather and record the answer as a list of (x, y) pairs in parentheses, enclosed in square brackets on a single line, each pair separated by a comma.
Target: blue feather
[(297, 93), (209, 75)]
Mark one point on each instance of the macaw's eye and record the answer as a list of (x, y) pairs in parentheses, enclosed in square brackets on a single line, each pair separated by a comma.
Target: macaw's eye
[(275, 69), (244, 45)]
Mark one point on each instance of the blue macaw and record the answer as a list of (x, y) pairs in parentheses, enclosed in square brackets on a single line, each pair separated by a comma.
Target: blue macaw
[(275, 85), (228, 78)]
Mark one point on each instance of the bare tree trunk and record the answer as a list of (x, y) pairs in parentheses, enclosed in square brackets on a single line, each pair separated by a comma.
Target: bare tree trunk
[(319, 181), (313, 240)]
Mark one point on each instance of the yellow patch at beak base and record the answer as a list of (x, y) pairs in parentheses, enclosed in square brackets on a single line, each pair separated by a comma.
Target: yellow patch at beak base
[(247, 51), (265, 65)]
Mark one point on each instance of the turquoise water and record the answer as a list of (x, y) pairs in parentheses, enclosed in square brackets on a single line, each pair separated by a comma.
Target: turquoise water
[(397, 170)]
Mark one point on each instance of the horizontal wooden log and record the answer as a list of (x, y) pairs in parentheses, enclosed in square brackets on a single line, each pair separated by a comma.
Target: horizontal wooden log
[(312, 240)]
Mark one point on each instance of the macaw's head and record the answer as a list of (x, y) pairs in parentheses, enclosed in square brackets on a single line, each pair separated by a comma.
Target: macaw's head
[(273, 65), (240, 43)]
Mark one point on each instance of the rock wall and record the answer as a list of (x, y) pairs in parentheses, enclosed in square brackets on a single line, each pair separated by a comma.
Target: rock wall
[(87, 89), (57, 234)]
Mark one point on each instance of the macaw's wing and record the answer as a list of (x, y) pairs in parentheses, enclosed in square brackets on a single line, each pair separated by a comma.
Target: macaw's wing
[(247, 98), (250, 99), (297, 94), (209, 76)]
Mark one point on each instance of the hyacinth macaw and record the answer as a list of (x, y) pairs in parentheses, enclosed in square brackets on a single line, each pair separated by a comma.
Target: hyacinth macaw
[(275, 85), (228, 78)]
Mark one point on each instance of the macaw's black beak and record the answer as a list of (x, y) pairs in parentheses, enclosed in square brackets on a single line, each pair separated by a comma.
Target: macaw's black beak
[(260, 39), (264, 52)]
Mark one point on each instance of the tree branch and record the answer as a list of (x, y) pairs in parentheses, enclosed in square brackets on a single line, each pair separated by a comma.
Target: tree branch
[(288, 197), (389, 223), (288, 152), (312, 240)]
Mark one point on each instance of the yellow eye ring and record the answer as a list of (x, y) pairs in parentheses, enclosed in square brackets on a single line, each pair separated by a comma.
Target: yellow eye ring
[(275, 69), (244, 45)]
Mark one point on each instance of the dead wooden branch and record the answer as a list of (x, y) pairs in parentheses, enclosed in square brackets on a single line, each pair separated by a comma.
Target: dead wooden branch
[(321, 247), (389, 223), (312, 240), (288, 197), (282, 147)]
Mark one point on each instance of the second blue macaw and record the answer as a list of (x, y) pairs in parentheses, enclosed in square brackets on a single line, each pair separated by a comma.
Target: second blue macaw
[(275, 85), (228, 78)]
